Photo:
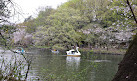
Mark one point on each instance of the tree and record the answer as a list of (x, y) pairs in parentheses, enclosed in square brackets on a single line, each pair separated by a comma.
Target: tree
[(93, 10), (127, 67), (8, 29), (43, 13), (60, 28), (4, 10), (10, 70)]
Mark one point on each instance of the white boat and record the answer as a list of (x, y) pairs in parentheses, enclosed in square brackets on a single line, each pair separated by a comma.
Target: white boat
[(73, 52), (20, 51), (54, 51)]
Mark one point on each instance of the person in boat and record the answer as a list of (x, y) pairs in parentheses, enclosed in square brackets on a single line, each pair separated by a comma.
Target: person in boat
[(73, 52), (55, 50), (20, 50), (74, 47)]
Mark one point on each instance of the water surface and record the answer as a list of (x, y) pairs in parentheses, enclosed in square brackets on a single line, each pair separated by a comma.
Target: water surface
[(47, 66), (58, 67)]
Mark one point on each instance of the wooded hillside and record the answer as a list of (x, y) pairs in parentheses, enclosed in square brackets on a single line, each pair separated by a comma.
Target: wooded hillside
[(85, 23)]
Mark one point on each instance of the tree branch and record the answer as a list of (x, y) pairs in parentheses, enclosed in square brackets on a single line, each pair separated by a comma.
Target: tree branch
[(132, 11)]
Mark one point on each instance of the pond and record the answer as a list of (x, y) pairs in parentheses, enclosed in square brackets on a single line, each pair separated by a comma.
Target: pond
[(47, 66)]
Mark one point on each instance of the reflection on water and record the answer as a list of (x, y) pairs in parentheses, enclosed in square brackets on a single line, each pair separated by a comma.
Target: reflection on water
[(59, 67), (13, 64), (101, 61), (73, 61)]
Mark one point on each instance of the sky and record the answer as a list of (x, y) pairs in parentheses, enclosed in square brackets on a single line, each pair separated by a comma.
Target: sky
[(29, 7)]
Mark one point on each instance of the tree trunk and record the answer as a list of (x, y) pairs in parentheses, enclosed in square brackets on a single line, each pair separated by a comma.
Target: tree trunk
[(127, 70)]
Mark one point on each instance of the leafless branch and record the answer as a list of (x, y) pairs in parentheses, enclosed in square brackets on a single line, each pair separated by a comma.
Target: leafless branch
[(131, 10)]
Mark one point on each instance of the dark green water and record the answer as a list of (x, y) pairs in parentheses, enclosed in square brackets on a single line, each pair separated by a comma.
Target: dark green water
[(59, 67)]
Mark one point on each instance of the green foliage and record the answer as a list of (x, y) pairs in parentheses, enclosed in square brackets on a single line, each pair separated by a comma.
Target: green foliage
[(31, 23), (64, 26), (8, 29), (61, 28), (57, 36), (119, 14), (42, 16), (6, 32)]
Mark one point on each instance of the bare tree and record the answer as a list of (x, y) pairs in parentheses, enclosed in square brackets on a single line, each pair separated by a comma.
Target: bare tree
[(6, 10)]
